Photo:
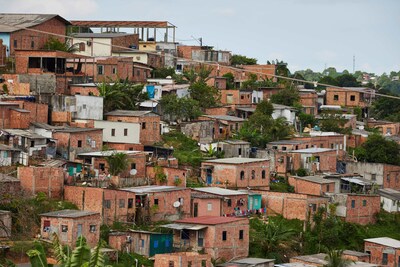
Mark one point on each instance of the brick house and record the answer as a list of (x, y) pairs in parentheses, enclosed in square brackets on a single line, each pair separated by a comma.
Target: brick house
[(312, 185), (234, 148), (9, 187), (224, 125), (319, 260), (293, 206), (69, 225), (8, 115), (46, 180), (384, 251), (175, 176), (50, 72), (73, 141), (201, 131), (385, 175), (384, 127), (97, 160), (159, 203), (141, 242), (215, 201), (220, 237), (357, 208), (16, 38), (355, 255), (350, 97), (236, 172), (113, 205), (150, 132), (315, 159), (84, 89), (236, 97), (309, 101), (182, 259)]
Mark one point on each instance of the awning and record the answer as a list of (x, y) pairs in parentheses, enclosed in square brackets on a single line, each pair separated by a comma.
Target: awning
[(149, 104), (180, 226), (357, 181)]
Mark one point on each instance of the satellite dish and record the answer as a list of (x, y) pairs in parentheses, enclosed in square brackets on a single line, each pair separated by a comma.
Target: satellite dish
[(176, 204), (133, 172)]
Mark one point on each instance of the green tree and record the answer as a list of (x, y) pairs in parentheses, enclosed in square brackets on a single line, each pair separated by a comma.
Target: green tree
[(347, 80), (286, 96), (184, 108), (230, 80), (333, 123), (386, 108), (163, 73), (117, 162), (200, 74), (205, 95), (335, 259), (54, 44), (380, 150), (242, 60), (307, 120), (250, 83)]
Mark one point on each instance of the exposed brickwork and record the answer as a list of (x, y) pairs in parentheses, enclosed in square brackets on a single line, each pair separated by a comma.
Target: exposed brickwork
[(220, 205), (19, 119), (309, 101), (174, 175), (235, 97), (84, 90), (293, 206), (124, 41), (38, 112), (183, 259), (24, 38), (15, 87), (347, 98), (365, 208), (231, 174), (46, 180), (311, 188), (217, 111), (376, 254), (123, 146), (89, 226)]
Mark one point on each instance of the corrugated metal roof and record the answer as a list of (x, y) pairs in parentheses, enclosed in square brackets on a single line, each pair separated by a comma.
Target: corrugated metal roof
[(386, 241), (7, 178), (389, 193), (69, 213), (181, 226), (315, 179), (313, 150), (13, 22), (24, 133), (236, 160), (219, 191), (127, 24), (107, 153), (131, 113), (225, 118), (209, 220), (152, 189), (100, 35)]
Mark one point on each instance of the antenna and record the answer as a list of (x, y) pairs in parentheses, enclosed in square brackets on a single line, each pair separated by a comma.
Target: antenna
[(199, 40)]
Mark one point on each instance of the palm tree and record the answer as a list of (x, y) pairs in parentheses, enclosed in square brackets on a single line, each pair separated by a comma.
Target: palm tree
[(335, 259), (117, 162), (80, 256), (55, 44), (113, 96)]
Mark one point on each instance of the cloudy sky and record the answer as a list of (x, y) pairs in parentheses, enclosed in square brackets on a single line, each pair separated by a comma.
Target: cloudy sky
[(305, 33)]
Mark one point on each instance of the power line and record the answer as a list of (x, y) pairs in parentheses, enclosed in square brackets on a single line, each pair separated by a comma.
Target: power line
[(210, 63)]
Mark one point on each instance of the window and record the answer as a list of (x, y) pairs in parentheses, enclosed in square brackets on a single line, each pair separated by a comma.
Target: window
[(133, 166), (34, 62), (156, 201), (102, 166), (167, 243), (112, 132), (327, 188), (171, 264), (239, 151), (154, 125), (336, 97), (107, 204), (32, 143), (15, 43), (155, 244), (242, 97), (114, 70), (82, 46), (263, 174), (352, 98), (321, 145), (130, 203), (242, 175), (92, 228), (189, 264), (353, 204), (79, 143), (138, 73), (64, 228), (141, 243), (241, 234), (314, 207), (32, 44), (253, 174), (364, 203), (229, 203), (224, 235), (388, 178), (125, 132), (384, 258), (373, 177), (143, 125), (84, 106), (209, 207), (122, 203), (203, 263), (100, 69)]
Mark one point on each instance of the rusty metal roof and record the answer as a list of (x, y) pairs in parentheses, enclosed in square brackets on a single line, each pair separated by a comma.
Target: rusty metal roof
[(123, 24), (14, 22)]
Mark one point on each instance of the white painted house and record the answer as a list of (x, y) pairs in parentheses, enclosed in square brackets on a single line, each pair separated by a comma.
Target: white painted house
[(119, 132), (289, 113), (390, 199)]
